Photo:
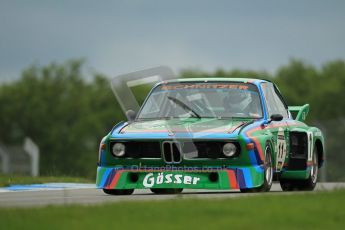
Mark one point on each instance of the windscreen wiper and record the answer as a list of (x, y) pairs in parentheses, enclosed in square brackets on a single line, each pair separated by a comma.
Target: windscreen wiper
[(184, 106)]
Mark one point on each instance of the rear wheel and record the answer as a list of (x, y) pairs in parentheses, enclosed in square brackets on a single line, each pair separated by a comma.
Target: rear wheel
[(303, 185), (268, 173), (118, 191), (166, 190)]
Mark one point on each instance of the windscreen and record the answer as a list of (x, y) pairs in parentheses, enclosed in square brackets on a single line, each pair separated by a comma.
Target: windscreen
[(202, 100)]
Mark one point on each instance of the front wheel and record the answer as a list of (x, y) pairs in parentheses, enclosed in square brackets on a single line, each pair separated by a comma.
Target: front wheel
[(118, 192), (268, 173), (303, 185)]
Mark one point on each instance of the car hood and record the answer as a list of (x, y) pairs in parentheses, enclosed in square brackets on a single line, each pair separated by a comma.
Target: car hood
[(188, 128)]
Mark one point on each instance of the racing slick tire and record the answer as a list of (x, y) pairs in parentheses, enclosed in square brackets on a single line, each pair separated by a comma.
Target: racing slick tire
[(118, 192), (268, 173), (166, 190), (303, 185)]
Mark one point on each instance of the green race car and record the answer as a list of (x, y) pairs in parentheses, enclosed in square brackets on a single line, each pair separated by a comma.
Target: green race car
[(211, 133)]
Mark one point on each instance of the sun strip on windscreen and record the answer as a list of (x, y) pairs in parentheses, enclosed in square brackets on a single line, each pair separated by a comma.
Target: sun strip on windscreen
[(205, 86)]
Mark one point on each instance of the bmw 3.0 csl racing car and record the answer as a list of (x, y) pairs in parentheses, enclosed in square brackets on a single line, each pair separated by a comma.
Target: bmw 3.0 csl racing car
[(211, 133)]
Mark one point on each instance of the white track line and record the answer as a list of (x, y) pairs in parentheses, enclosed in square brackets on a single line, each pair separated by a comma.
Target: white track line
[(46, 186)]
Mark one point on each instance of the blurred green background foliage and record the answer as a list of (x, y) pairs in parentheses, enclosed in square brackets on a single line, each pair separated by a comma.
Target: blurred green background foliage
[(67, 114)]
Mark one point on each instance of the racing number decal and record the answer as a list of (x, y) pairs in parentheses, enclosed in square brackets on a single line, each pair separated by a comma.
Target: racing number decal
[(280, 149)]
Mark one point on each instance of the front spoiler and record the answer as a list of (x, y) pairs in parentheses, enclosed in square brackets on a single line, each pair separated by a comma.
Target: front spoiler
[(229, 178)]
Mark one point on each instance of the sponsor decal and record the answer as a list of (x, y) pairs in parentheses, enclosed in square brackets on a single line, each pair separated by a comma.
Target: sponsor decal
[(318, 134), (205, 86), (310, 146), (304, 115), (150, 180)]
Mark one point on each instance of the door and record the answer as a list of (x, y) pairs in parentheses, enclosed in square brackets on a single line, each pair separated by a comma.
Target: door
[(276, 105)]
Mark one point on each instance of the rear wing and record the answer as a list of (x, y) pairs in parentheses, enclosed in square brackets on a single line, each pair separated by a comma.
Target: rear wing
[(300, 111)]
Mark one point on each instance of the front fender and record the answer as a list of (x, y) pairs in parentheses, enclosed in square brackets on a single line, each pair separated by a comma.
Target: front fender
[(259, 139), (315, 140)]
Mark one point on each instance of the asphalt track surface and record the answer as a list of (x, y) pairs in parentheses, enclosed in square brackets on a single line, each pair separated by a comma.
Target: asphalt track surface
[(87, 196)]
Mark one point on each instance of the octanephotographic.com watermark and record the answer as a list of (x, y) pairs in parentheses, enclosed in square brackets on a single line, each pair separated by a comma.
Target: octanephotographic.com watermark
[(172, 168)]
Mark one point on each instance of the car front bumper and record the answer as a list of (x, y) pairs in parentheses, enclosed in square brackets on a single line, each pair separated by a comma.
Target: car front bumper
[(120, 177)]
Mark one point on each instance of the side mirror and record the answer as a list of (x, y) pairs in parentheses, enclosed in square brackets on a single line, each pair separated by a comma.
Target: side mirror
[(276, 117), (131, 115)]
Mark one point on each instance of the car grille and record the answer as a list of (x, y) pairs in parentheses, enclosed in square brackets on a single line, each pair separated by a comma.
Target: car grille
[(141, 149), (203, 149), (172, 152)]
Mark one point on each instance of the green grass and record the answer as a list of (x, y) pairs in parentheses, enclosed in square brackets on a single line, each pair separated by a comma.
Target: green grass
[(6, 180), (321, 210)]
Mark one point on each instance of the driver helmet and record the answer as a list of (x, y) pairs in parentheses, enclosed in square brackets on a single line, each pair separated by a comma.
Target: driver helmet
[(238, 99)]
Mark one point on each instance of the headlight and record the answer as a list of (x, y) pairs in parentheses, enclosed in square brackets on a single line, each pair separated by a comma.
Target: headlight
[(229, 149), (118, 149)]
